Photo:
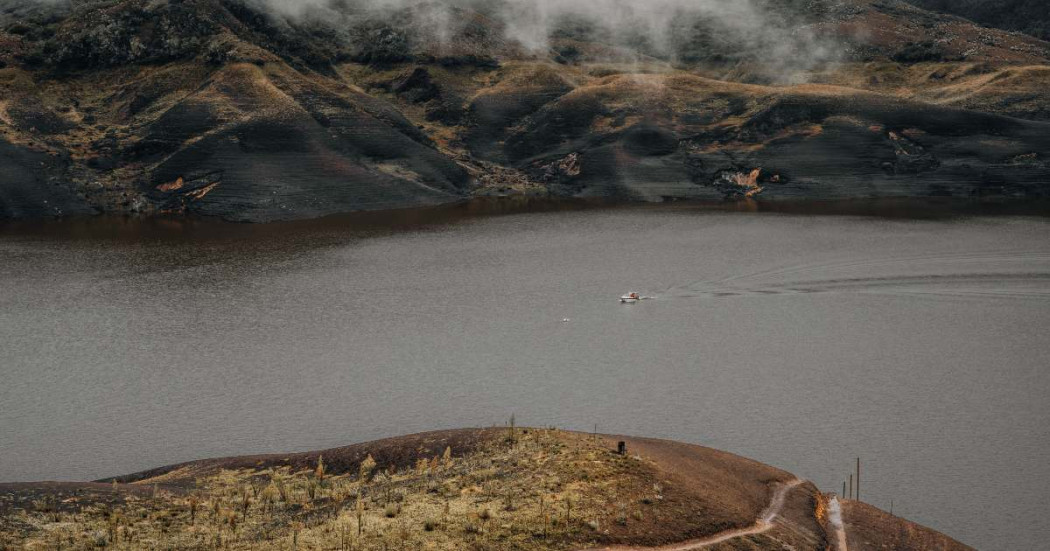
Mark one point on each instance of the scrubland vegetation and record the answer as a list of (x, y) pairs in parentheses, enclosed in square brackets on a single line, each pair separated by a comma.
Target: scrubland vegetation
[(532, 489)]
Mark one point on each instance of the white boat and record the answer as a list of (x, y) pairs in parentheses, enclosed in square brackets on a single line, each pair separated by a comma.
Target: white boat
[(630, 298)]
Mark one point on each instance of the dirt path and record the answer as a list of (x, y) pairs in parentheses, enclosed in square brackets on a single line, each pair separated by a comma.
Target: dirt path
[(835, 516), (762, 524)]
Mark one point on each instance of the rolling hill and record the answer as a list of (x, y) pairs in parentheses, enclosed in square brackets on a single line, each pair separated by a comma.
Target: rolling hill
[(233, 109)]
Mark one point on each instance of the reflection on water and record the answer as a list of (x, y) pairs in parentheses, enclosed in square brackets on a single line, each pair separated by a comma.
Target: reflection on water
[(913, 336), (138, 229)]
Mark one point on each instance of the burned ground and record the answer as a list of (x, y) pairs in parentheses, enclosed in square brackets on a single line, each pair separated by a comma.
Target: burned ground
[(263, 118)]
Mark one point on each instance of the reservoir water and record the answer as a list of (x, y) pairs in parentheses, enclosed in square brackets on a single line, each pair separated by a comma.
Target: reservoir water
[(919, 344)]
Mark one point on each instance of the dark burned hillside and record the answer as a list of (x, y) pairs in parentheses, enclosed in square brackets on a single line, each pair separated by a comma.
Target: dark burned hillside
[(233, 109), (1027, 16), (91, 35)]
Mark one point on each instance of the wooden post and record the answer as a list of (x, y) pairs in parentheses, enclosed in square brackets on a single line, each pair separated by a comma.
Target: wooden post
[(851, 485), (843, 488), (621, 448), (858, 479)]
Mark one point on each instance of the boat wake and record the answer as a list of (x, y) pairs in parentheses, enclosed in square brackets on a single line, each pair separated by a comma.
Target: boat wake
[(998, 275)]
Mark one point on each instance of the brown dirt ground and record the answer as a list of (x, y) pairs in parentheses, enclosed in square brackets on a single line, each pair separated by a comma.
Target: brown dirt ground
[(871, 529)]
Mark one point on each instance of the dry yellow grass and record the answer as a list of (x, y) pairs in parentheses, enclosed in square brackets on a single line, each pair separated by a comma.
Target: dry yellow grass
[(544, 490), (470, 489)]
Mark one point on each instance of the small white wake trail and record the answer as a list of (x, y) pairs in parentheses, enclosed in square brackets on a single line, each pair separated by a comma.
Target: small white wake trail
[(835, 516)]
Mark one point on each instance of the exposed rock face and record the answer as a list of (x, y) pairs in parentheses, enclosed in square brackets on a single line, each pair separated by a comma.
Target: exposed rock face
[(217, 108)]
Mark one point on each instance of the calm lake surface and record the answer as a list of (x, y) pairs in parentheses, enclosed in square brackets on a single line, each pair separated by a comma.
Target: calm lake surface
[(803, 341)]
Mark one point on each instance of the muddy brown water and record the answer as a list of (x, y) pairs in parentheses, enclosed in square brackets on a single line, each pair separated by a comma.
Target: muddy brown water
[(913, 336)]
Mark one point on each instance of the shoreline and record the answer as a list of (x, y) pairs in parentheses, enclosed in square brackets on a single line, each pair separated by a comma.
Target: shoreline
[(902, 208)]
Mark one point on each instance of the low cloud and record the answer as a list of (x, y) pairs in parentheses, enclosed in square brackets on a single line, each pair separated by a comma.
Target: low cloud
[(775, 33), (770, 31)]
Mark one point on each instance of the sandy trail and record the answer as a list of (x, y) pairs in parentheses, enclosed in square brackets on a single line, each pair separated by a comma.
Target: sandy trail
[(835, 515), (763, 524)]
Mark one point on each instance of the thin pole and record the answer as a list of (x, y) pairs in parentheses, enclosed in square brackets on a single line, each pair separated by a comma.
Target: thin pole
[(858, 479), (851, 485), (843, 488)]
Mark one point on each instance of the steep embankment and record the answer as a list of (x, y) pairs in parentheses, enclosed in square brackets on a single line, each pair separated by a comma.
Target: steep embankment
[(218, 107), (491, 488)]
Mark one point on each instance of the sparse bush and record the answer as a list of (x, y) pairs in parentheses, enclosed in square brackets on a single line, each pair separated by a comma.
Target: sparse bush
[(218, 53), (277, 482), (98, 538), (508, 504), (366, 468), (320, 470), (382, 44), (918, 52), (193, 504), (359, 510), (269, 494), (18, 29)]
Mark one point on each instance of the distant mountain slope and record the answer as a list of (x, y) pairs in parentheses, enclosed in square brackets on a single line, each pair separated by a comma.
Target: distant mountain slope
[(229, 108), (1027, 16)]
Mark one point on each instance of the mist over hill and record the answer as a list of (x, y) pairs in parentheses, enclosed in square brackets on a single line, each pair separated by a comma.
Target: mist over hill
[(776, 33)]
